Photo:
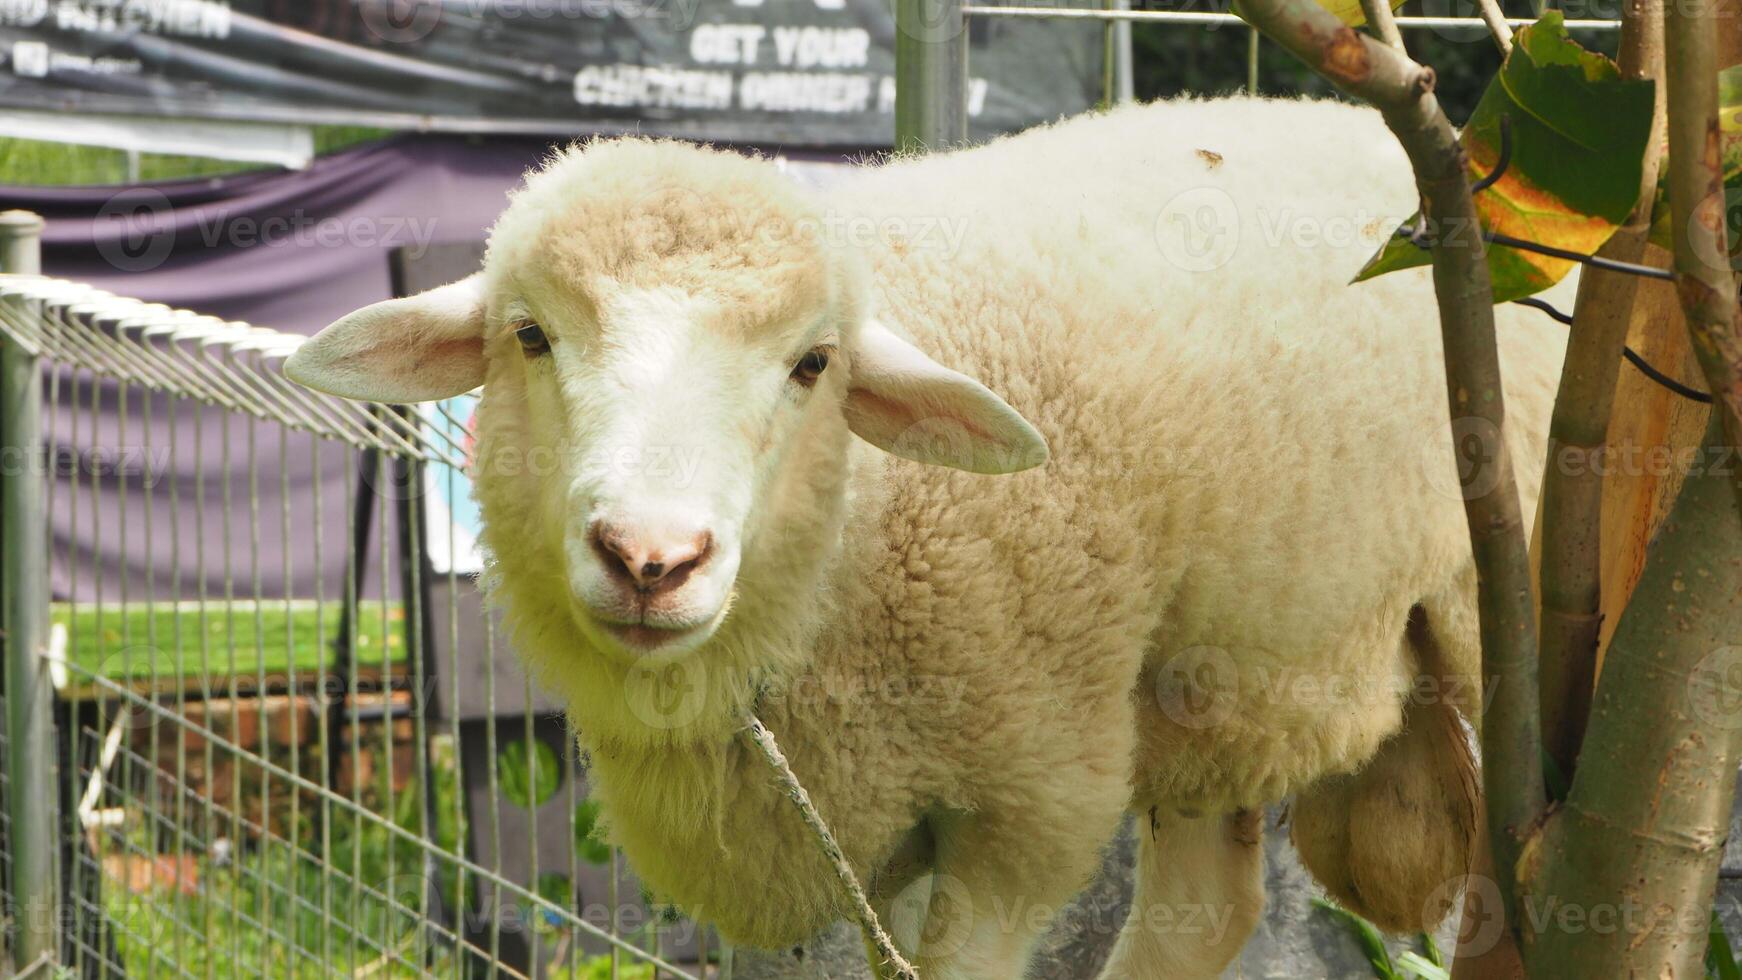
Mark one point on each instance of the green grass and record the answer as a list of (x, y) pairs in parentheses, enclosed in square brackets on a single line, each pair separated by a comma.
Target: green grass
[(35, 162), (139, 641), (302, 901), (1426, 964), (271, 910)]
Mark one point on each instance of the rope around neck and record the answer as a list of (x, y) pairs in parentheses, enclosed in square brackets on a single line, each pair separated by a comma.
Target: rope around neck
[(868, 923)]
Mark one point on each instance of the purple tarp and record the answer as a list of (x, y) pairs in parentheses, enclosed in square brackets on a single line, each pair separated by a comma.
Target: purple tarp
[(292, 251)]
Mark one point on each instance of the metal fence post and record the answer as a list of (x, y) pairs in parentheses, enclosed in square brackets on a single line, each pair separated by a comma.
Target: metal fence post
[(24, 619), (931, 75)]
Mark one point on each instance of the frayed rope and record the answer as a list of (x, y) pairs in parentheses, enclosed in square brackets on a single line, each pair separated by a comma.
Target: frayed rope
[(763, 739)]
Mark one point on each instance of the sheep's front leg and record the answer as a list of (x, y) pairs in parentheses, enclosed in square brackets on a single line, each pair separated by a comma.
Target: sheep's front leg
[(1198, 896)]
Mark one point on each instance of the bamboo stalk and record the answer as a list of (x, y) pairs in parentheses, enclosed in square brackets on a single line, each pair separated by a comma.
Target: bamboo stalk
[(1624, 871), (1642, 830), (1650, 423), (1572, 495), (1649, 428), (1704, 281), (1403, 92)]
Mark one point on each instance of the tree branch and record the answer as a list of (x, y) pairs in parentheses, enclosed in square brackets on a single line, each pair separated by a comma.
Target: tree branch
[(1644, 824), (1497, 26), (1704, 281), (1384, 25), (1572, 512), (1403, 92), (1642, 831)]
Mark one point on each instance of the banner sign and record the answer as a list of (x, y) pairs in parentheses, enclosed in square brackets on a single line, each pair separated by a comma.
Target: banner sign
[(786, 72)]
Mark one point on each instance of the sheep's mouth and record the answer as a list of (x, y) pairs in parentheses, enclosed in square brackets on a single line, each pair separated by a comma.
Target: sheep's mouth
[(646, 638), (645, 635)]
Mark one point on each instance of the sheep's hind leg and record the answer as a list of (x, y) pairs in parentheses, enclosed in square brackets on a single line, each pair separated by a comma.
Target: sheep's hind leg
[(1392, 840), (1198, 896)]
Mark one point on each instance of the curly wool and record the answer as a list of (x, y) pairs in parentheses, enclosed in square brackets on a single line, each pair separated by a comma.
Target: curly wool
[(1198, 606)]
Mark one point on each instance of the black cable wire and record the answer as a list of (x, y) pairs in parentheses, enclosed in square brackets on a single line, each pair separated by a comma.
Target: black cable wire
[(1595, 261), (1543, 305), (1632, 356), (1691, 394), (1417, 236), (1501, 164)]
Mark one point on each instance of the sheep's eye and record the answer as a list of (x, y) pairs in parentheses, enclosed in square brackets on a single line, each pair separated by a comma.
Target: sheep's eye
[(532, 339), (810, 367)]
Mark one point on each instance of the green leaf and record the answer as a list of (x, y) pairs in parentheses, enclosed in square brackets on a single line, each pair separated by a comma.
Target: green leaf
[(589, 836), (1730, 99), (1366, 936), (1431, 950), (1417, 965), (1720, 958), (1578, 141), (527, 781)]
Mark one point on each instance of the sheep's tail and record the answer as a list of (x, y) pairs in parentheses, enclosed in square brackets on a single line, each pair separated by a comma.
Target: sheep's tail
[(1392, 841)]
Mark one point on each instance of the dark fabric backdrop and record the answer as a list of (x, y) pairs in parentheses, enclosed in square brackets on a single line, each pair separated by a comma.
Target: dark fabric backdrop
[(289, 250)]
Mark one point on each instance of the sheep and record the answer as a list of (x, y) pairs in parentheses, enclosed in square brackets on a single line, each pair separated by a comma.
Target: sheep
[(739, 451)]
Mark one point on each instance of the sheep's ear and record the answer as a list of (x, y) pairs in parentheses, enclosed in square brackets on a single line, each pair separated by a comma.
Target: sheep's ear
[(904, 402), (415, 349)]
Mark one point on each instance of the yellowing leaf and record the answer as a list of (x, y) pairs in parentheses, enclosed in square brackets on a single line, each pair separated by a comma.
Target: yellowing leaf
[(1578, 138)]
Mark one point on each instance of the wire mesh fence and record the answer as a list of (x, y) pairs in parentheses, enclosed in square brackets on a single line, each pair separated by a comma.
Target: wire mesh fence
[(286, 736)]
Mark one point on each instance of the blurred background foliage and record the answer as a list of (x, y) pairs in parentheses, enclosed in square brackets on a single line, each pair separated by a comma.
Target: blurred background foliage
[(1176, 59)]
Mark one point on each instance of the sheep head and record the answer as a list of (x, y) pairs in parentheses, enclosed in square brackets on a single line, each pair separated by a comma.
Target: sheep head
[(675, 359)]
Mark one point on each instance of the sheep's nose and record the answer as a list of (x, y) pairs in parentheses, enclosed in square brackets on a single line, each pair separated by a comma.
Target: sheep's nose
[(651, 561)]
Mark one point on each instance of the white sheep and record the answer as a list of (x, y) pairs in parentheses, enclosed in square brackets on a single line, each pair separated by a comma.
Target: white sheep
[(1242, 568)]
